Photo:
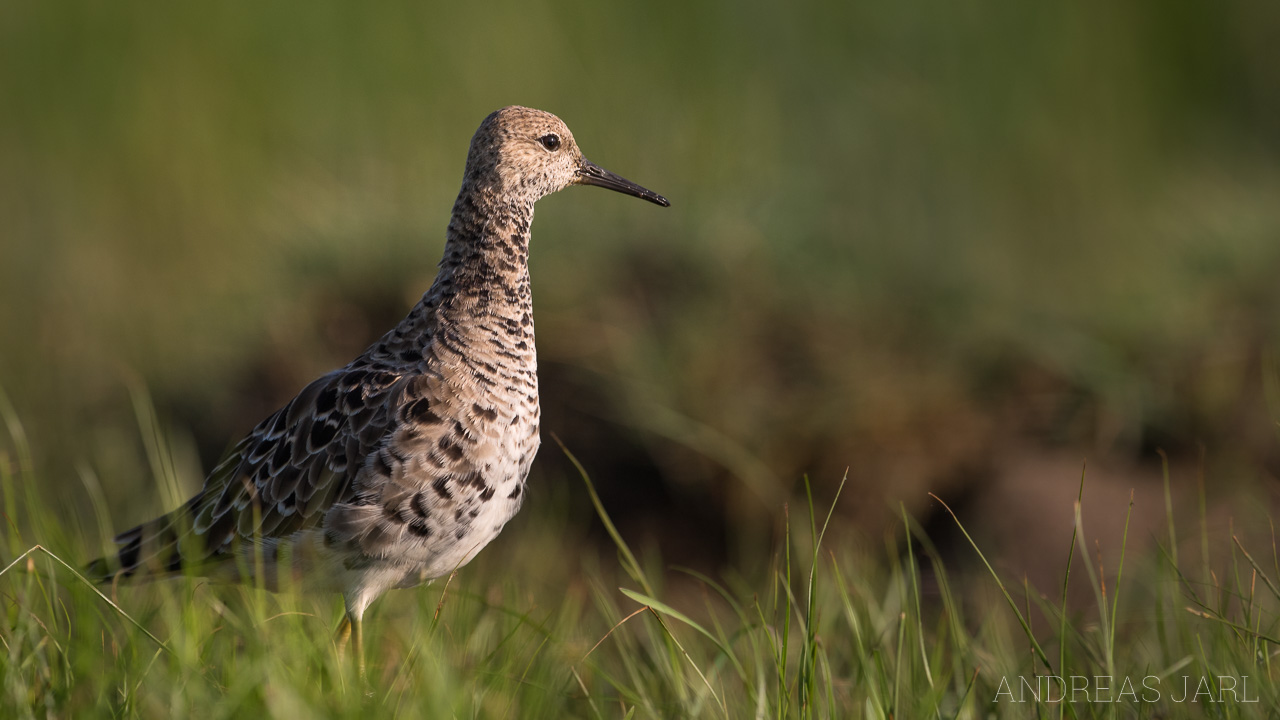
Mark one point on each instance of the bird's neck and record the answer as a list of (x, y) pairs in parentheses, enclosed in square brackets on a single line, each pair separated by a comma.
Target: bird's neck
[(485, 269), (481, 295)]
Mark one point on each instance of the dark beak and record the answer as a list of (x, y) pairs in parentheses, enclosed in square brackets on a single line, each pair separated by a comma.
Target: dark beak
[(592, 174)]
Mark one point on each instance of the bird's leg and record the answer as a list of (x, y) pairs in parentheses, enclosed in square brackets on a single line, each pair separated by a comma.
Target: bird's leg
[(343, 634), (357, 643), (351, 629)]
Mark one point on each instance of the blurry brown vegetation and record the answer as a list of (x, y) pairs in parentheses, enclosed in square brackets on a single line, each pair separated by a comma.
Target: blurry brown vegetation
[(948, 247)]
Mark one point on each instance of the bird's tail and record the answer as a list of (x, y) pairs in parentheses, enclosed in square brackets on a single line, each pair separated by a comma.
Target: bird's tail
[(149, 551)]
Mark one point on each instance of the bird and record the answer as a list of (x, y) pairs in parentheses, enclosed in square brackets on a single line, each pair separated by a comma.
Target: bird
[(401, 466)]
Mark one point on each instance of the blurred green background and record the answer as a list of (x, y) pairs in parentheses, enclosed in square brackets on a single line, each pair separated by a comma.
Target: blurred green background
[(957, 247)]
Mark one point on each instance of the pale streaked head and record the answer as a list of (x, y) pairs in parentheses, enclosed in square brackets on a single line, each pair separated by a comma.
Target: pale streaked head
[(524, 154)]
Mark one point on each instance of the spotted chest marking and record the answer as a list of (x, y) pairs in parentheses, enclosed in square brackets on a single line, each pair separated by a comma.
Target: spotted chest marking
[(443, 485)]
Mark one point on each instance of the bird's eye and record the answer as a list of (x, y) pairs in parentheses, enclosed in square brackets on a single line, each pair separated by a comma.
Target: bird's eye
[(550, 142)]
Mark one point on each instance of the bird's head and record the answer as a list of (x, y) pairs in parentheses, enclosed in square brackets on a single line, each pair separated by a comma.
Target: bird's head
[(524, 154)]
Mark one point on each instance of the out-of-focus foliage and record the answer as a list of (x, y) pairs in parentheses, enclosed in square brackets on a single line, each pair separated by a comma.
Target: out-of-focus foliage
[(906, 238)]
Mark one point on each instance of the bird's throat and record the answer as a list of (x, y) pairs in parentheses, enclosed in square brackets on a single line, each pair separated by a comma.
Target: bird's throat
[(485, 268)]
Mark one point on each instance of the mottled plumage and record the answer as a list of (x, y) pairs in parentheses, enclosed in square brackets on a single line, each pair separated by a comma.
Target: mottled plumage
[(401, 466)]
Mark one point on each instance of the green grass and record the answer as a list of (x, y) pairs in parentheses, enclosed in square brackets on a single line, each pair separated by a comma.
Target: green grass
[(539, 626)]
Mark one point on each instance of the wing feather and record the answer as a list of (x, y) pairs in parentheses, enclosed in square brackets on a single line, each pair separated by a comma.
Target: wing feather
[(278, 480)]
